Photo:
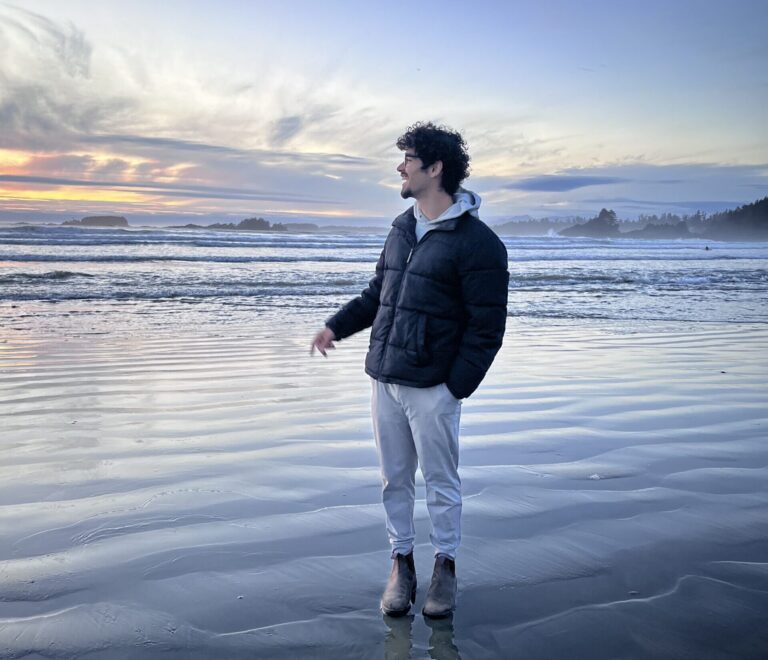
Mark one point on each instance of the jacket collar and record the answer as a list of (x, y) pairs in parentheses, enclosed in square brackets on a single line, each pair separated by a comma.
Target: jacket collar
[(407, 222)]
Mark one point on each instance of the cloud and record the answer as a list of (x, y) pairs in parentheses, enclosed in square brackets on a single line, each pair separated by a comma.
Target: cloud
[(285, 128), (158, 143), (58, 89), (173, 190), (111, 167), (66, 45), (60, 164), (635, 187), (168, 145), (48, 93), (562, 182), (642, 175)]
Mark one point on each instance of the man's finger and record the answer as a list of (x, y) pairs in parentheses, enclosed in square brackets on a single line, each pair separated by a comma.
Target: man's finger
[(318, 344)]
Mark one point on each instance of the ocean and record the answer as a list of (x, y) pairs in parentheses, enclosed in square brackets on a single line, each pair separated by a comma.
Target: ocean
[(131, 280)]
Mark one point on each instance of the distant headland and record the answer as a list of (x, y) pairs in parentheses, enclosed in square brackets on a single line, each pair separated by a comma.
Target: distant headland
[(745, 223), (99, 221)]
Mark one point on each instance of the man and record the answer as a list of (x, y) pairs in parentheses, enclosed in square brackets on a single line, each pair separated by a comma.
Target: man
[(438, 305)]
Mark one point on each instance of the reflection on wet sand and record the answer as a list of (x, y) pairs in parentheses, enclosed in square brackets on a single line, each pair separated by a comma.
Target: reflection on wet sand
[(398, 643), (441, 646), (399, 640)]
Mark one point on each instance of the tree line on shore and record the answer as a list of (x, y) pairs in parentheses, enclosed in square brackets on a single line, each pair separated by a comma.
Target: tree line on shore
[(748, 223)]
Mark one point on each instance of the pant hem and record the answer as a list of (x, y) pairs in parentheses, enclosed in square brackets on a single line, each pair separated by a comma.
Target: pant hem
[(451, 554)]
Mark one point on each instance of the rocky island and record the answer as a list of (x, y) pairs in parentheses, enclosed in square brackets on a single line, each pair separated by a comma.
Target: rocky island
[(98, 221), (255, 224)]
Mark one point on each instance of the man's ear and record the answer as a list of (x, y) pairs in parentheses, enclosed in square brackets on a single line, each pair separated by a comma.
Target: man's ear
[(436, 169)]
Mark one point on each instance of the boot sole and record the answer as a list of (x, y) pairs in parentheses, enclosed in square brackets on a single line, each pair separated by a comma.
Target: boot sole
[(442, 614), (438, 615), (397, 613)]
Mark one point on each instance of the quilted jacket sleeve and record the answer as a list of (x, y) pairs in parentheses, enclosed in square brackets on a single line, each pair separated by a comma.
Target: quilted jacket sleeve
[(359, 313), (484, 285)]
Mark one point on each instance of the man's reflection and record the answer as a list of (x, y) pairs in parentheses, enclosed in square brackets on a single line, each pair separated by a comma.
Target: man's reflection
[(397, 645), (441, 646), (399, 642)]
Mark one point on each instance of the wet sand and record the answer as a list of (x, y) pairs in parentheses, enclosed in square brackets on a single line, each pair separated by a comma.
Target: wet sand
[(201, 496)]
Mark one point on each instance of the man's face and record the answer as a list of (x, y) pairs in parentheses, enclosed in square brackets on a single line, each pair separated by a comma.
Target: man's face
[(415, 179)]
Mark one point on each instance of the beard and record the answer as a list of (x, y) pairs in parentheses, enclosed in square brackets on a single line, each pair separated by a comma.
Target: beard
[(406, 192)]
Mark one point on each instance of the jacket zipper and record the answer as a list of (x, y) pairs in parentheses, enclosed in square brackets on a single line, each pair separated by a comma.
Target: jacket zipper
[(405, 272), (400, 293)]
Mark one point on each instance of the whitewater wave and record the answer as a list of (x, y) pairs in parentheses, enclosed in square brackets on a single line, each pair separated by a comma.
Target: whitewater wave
[(51, 276), (214, 259)]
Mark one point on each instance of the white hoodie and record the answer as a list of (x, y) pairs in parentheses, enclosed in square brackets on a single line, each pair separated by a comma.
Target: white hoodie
[(463, 201)]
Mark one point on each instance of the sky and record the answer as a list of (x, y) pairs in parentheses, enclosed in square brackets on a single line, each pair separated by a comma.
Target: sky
[(290, 111)]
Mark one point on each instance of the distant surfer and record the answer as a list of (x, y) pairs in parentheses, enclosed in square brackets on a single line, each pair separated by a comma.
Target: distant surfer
[(437, 305)]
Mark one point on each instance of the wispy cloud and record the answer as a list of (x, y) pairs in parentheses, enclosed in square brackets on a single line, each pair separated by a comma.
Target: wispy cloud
[(166, 145), (562, 182), (285, 128), (48, 91), (181, 190), (59, 90)]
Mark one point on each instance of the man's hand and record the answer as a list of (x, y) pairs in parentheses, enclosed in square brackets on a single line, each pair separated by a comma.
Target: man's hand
[(323, 341)]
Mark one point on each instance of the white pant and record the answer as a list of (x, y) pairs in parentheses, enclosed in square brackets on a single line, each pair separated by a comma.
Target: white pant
[(418, 426)]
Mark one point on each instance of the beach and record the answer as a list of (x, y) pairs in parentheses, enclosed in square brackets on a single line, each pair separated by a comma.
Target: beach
[(179, 478), (209, 496)]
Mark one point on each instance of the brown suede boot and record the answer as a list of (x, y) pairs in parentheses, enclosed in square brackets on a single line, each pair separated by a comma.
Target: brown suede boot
[(441, 597), (400, 591)]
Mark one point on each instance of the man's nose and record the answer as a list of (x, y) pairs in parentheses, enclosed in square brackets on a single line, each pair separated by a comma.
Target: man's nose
[(400, 167)]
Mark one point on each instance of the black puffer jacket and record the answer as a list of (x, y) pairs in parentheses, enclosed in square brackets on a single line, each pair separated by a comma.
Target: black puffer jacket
[(438, 308)]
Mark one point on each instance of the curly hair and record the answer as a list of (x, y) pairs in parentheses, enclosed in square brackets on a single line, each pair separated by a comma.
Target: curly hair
[(432, 143)]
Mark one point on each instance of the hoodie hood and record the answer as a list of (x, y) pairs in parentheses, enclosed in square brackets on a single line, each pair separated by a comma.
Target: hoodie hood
[(464, 201)]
